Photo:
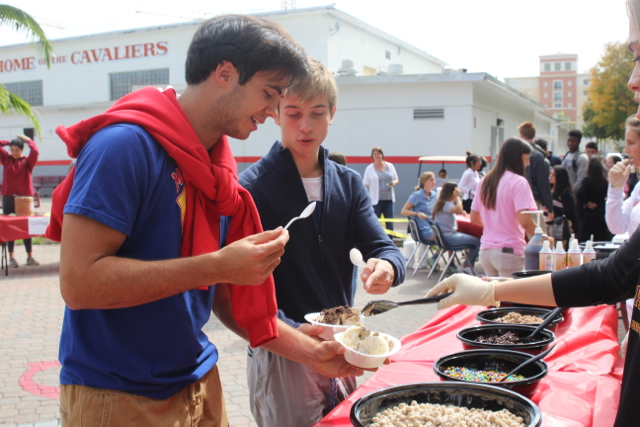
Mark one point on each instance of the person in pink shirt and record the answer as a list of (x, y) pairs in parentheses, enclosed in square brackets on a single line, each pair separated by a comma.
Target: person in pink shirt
[(16, 181), (501, 196)]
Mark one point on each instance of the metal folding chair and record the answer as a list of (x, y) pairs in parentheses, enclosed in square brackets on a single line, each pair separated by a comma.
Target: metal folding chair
[(445, 247), (415, 235)]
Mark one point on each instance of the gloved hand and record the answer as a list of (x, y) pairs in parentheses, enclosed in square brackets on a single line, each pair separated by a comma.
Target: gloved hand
[(619, 173), (467, 290)]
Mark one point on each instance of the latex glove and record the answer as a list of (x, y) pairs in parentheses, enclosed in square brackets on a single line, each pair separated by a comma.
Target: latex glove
[(467, 290), (619, 173), (623, 346)]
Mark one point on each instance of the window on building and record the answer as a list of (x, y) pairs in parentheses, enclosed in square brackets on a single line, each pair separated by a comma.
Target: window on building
[(547, 66), (557, 66), (557, 105), (585, 93), (557, 96), (31, 91), (544, 84), (387, 54), (586, 82), (545, 94), (569, 95), (122, 83), (569, 83), (557, 84), (569, 105), (567, 66)]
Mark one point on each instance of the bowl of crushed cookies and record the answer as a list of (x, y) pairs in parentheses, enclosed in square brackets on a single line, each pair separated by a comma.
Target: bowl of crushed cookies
[(518, 316), (444, 403)]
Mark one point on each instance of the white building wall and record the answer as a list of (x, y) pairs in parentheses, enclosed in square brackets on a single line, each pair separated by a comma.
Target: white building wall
[(369, 50)]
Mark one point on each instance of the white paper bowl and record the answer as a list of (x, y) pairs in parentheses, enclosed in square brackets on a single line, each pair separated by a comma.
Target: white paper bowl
[(366, 361), (329, 330)]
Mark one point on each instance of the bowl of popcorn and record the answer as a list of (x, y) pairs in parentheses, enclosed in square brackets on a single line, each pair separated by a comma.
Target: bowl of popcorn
[(518, 316), (367, 349), (445, 403), (506, 337), (490, 366), (335, 320)]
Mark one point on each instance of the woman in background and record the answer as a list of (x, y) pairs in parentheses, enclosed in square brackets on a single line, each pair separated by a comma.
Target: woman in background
[(380, 177), (447, 207), (469, 180), (420, 205), (501, 197), (564, 201), (591, 196)]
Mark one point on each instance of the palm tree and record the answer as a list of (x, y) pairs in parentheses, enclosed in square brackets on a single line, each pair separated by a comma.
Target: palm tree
[(22, 22)]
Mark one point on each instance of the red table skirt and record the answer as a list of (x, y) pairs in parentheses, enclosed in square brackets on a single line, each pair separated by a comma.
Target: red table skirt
[(14, 228), (581, 389)]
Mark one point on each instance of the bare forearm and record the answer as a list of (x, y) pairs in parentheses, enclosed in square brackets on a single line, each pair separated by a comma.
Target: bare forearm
[(115, 282), (534, 290)]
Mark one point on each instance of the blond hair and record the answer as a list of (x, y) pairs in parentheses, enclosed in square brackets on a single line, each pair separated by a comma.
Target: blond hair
[(424, 178), (632, 123), (319, 82)]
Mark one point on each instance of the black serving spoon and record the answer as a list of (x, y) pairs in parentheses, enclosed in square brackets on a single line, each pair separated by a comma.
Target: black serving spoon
[(527, 362), (548, 319), (382, 306)]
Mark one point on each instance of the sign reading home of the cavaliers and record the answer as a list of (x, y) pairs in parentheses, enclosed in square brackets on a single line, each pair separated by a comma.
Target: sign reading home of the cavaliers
[(89, 56)]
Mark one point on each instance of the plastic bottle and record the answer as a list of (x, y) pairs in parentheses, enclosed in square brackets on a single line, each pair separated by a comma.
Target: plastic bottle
[(407, 248), (546, 257), (574, 254), (532, 250), (559, 257), (589, 254)]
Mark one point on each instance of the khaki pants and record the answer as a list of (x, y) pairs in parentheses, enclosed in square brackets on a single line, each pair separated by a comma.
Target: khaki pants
[(496, 263), (198, 405)]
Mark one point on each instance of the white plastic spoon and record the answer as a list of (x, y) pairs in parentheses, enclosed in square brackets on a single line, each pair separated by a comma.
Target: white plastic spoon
[(305, 213), (356, 258)]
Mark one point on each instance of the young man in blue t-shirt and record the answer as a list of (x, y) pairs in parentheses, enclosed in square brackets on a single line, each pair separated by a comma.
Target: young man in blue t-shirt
[(140, 243)]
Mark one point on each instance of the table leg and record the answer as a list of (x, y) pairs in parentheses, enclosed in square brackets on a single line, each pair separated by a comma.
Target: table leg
[(5, 261)]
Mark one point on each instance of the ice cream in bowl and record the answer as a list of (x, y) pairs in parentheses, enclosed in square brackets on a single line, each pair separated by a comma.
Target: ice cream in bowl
[(334, 320), (367, 349)]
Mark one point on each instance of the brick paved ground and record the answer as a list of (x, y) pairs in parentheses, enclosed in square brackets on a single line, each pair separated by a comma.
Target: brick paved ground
[(30, 321)]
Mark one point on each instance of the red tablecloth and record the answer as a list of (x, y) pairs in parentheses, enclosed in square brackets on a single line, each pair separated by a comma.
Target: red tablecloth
[(582, 386), (14, 228), (465, 226)]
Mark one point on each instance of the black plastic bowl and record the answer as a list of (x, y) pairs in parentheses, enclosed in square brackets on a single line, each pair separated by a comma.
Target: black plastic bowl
[(540, 342), (488, 317), (467, 395), (495, 360)]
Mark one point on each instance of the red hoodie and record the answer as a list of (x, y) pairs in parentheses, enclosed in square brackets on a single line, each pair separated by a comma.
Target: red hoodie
[(212, 190)]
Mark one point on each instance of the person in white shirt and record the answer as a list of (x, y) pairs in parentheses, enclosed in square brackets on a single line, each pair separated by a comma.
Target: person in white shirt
[(469, 180), (623, 216)]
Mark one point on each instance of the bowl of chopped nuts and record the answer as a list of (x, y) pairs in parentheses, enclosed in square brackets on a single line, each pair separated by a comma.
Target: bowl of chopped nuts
[(490, 366), (506, 337), (445, 403), (518, 316)]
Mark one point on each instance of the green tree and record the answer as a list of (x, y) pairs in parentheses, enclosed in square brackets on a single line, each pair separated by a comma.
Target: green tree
[(610, 101), (22, 22)]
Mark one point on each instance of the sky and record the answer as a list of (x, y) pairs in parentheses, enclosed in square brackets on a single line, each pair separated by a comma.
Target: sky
[(501, 37)]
